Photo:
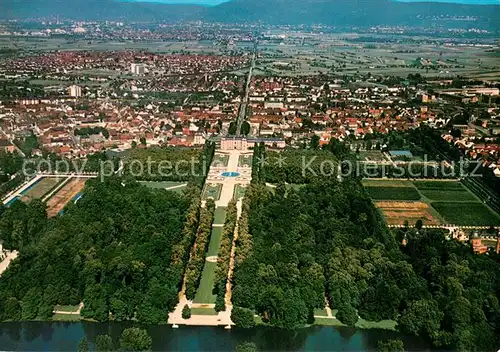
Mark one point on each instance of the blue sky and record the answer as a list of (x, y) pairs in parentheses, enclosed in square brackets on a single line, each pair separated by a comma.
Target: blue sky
[(200, 2), (216, 2), (478, 2)]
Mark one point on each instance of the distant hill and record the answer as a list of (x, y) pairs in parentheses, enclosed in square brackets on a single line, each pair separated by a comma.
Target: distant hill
[(349, 12), (100, 10), (332, 12)]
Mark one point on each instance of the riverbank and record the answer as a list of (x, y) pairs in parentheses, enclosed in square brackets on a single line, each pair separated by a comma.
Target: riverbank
[(361, 324), (64, 336), (322, 317), (319, 321), (7, 257)]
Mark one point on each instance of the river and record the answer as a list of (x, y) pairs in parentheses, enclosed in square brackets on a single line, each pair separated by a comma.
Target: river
[(59, 336)]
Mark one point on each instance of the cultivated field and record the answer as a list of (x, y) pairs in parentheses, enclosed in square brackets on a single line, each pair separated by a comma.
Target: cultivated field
[(434, 202), (393, 193), (467, 213), (371, 155), (41, 188), (449, 191), (396, 213), (57, 202), (305, 53), (369, 182), (166, 47), (312, 53)]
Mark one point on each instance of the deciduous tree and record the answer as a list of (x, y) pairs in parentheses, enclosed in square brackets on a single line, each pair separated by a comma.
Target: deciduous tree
[(135, 339)]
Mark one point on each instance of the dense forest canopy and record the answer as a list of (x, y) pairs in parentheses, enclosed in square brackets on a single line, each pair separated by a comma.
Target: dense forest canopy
[(118, 250), (10, 165), (123, 249), (167, 163), (296, 247), (460, 307), (294, 238), (170, 163), (298, 165)]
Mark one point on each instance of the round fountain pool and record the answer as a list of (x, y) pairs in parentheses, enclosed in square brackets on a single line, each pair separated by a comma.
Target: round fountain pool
[(230, 174)]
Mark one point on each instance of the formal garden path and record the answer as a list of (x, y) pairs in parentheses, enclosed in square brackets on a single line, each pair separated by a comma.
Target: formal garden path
[(202, 311), (7, 258)]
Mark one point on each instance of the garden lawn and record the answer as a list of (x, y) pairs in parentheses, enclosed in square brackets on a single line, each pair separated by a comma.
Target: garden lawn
[(41, 188), (66, 308), (383, 324), (203, 311), (220, 160), (239, 191), (66, 317), (245, 160), (215, 239), (204, 292), (220, 215), (327, 322), (320, 312), (212, 191)]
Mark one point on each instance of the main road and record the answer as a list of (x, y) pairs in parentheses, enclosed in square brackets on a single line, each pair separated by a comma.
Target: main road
[(244, 103)]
